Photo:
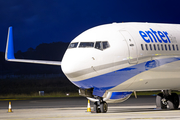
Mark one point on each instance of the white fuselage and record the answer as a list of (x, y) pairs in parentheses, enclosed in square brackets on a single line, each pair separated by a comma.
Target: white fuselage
[(140, 57)]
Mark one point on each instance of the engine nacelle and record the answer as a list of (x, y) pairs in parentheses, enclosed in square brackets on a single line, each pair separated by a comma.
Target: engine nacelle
[(113, 97)]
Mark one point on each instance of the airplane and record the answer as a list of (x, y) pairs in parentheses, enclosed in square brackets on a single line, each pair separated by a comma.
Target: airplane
[(110, 62)]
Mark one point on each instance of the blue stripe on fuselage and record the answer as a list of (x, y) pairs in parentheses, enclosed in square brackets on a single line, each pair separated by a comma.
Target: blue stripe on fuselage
[(109, 80)]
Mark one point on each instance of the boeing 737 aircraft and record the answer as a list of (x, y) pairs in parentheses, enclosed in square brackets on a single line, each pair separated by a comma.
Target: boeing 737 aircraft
[(110, 62)]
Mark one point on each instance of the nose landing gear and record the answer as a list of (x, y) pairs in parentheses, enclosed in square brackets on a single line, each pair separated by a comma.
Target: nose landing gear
[(166, 98), (100, 106)]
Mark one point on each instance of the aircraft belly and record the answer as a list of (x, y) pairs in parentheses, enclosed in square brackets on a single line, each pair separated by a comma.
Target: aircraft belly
[(166, 76)]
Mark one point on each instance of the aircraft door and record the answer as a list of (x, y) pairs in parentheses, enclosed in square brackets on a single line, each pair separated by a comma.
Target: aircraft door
[(133, 59)]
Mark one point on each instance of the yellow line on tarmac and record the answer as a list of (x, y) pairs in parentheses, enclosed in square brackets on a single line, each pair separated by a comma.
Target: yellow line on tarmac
[(13, 99)]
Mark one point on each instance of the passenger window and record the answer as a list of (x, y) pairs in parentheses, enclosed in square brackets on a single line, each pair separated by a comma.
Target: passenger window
[(165, 47), (73, 45), (154, 47), (162, 47), (142, 47), (105, 44), (177, 47), (86, 44), (150, 46), (173, 47), (98, 45), (169, 47), (158, 47), (146, 46)]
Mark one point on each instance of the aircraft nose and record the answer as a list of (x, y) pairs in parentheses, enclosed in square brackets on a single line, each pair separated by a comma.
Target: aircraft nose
[(67, 65), (71, 63), (76, 63)]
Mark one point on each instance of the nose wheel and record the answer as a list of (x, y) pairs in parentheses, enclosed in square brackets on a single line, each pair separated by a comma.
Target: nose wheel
[(100, 106), (103, 107), (96, 108)]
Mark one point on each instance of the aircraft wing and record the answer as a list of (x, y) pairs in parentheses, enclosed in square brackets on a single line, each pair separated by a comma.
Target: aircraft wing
[(9, 55)]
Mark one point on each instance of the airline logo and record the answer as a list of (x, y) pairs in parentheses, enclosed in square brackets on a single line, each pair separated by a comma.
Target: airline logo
[(155, 36)]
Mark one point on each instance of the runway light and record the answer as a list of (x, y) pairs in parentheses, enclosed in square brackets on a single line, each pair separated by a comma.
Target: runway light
[(67, 94)]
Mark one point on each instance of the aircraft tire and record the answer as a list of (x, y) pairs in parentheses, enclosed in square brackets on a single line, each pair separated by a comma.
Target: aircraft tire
[(173, 101), (96, 109), (171, 105), (159, 103), (104, 107)]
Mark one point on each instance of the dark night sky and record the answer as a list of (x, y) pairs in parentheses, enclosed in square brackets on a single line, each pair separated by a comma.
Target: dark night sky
[(46, 21)]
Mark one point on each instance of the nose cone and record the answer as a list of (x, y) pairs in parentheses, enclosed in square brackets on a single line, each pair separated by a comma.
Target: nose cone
[(77, 63), (73, 62), (69, 63)]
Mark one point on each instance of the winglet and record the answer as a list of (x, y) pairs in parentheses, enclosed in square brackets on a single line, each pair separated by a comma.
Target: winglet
[(9, 46), (9, 55)]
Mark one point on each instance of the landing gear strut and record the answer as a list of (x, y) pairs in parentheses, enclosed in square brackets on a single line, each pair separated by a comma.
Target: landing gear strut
[(100, 106), (166, 98)]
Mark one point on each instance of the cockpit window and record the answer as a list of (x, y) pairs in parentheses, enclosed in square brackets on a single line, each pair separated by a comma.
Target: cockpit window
[(73, 45), (86, 44), (101, 45), (98, 45), (105, 44)]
